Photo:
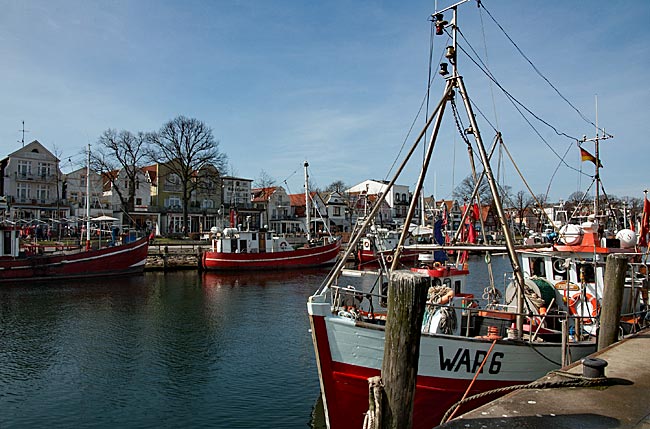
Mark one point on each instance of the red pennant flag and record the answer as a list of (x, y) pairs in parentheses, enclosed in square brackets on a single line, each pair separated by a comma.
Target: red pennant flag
[(645, 224), (586, 156), (233, 218)]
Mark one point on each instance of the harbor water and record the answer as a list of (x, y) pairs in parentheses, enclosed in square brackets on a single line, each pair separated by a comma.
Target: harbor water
[(177, 349)]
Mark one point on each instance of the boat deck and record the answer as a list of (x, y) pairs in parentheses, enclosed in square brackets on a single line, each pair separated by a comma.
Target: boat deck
[(623, 405)]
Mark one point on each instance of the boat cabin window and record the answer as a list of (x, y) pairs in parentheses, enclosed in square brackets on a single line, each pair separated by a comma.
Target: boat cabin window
[(233, 245), (242, 246), (7, 243), (588, 271), (536, 267), (254, 236), (457, 286)]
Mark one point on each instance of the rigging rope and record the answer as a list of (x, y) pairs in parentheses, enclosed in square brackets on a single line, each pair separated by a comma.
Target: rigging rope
[(480, 4), (425, 100)]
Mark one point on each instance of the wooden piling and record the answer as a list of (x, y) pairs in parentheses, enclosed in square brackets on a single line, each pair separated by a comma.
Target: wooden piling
[(610, 313), (407, 294), (199, 258), (165, 256)]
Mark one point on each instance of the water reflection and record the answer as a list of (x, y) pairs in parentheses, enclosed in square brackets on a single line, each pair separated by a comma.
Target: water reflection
[(176, 349)]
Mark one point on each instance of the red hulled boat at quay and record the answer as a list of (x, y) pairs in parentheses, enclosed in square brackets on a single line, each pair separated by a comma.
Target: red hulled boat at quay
[(42, 263), (467, 345)]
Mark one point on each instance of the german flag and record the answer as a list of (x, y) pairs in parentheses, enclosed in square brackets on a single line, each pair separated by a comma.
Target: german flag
[(586, 156)]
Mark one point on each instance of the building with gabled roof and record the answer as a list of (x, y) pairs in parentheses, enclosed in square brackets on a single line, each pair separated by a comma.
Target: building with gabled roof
[(32, 183), (275, 210), (396, 201)]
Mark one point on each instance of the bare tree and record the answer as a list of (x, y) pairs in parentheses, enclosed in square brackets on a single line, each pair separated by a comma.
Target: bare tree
[(264, 180), (579, 204), (185, 146), (120, 155), (464, 190), (522, 202), (336, 186)]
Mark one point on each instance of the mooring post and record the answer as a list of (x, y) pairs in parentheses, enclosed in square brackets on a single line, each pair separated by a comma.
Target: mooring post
[(199, 257), (165, 256), (407, 295), (610, 312)]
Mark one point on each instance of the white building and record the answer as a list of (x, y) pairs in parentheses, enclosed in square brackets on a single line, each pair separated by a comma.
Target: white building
[(76, 193), (397, 200), (32, 184)]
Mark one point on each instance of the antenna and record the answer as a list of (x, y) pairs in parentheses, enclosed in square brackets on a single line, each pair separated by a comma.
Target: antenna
[(23, 131)]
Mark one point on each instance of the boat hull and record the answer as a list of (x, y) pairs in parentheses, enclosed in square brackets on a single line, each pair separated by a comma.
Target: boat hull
[(348, 354), (299, 258), (110, 261)]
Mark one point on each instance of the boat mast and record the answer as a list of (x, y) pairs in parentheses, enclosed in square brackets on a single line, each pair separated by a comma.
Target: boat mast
[(88, 199), (307, 211), (596, 208), (596, 141), (485, 159)]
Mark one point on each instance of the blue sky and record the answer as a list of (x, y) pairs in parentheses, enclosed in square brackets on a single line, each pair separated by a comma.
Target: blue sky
[(337, 83)]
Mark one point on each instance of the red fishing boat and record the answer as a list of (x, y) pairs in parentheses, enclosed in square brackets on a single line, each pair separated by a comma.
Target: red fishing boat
[(262, 250), (467, 346), (38, 263), (235, 249)]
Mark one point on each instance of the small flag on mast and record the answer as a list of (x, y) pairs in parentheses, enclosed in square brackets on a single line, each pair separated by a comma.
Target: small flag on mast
[(586, 156)]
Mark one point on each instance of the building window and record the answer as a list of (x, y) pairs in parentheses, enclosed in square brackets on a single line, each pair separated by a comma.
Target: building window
[(23, 191), (174, 202), (42, 192), (24, 168), (138, 201), (44, 169)]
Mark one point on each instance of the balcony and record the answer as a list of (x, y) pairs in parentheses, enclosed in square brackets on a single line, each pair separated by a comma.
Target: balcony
[(32, 177)]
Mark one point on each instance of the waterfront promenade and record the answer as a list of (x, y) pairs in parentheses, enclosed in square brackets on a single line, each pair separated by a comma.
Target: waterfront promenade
[(623, 404)]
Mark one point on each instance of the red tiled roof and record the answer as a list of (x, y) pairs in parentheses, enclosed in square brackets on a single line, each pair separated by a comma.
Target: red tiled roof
[(298, 200), (262, 194)]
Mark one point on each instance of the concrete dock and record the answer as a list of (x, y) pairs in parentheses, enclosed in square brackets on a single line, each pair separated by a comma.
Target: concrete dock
[(624, 403)]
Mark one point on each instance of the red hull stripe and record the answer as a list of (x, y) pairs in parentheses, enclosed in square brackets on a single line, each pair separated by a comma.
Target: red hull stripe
[(345, 389), (109, 261), (299, 258)]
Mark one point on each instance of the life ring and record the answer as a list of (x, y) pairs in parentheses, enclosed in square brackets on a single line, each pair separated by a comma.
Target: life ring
[(593, 308), (283, 245), (366, 245), (389, 258), (437, 264)]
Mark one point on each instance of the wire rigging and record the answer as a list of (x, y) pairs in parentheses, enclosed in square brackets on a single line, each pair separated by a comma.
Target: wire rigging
[(408, 134), (537, 70), (518, 105)]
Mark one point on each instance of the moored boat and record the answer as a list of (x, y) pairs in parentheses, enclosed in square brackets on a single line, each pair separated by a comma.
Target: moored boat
[(379, 245), (262, 250), (38, 264), (467, 345)]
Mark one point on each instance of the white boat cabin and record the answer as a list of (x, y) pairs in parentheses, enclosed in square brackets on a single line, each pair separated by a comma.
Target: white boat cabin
[(10, 242), (232, 240), (576, 265)]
